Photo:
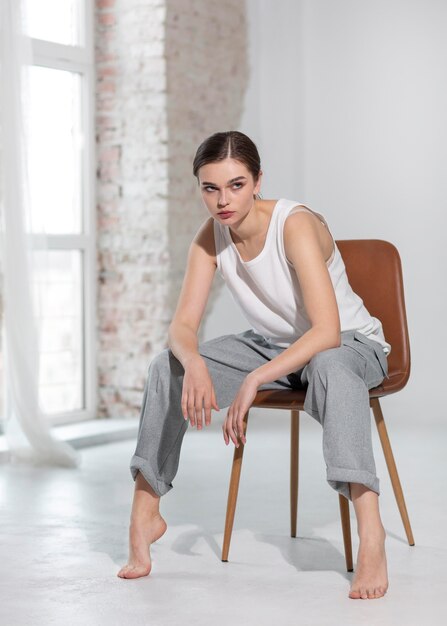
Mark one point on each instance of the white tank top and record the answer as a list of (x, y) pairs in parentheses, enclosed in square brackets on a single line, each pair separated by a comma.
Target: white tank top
[(268, 291)]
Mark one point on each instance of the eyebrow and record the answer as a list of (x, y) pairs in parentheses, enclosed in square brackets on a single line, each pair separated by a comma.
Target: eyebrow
[(230, 181)]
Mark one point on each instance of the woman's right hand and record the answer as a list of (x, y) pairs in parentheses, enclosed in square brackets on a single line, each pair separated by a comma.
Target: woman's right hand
[(198, 392)]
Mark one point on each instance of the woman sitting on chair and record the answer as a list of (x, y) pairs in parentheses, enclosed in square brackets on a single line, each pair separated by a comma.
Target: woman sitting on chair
[(308, 330)]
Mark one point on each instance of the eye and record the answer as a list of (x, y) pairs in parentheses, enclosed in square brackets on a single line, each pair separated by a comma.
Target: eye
[(209, 188)]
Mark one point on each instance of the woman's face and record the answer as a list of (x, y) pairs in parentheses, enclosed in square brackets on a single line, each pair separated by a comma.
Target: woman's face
[(227, 188)]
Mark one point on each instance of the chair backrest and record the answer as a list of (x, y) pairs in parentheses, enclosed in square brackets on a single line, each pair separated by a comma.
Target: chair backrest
[(374, 272)]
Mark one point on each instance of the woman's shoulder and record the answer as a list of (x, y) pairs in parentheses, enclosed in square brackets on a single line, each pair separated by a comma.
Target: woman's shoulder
[(204, 237), (307, 223)]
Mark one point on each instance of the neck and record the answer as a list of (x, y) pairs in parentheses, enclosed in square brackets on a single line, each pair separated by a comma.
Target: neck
[(253, 226)]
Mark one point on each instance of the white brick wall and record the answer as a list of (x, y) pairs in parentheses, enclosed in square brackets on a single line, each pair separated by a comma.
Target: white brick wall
[(169, 73)]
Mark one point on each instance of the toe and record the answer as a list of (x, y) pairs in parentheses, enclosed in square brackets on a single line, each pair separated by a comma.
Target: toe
[(124, 571), (370, 593), (121, 572), (140, 571), (363, 594)]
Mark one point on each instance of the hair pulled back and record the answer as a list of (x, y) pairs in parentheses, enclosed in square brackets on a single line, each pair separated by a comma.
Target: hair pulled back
[(231, 144)]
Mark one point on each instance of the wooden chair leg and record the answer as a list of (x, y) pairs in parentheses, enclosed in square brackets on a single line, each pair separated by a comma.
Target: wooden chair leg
[(346, 528), (389, 458), (294, 461), (232, 493)]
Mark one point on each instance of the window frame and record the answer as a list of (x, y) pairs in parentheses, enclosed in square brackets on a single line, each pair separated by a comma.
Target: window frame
[(79, 59)]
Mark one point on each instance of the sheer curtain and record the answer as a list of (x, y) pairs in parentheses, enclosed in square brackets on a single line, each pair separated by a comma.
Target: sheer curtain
[(26, 429)]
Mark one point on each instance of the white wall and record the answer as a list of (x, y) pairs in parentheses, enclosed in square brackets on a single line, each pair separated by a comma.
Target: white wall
[(347, 105)]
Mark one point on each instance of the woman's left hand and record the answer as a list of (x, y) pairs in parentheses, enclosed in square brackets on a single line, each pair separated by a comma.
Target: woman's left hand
[(233, 426)]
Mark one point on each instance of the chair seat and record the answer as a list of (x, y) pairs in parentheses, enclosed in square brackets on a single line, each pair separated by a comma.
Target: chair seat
[(395, 382), (294, 398), (280, 398)]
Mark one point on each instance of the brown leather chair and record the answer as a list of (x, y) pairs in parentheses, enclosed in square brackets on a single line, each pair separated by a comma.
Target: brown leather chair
[(374, 271)]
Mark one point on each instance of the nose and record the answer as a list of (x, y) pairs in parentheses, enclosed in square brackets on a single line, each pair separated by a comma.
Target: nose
[(222, 200)]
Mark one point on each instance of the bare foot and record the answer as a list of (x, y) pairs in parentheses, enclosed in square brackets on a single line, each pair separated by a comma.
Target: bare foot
[(141, 535), (371, 579)]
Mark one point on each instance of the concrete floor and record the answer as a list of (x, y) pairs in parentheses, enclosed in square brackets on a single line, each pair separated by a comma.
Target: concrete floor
[(64, 537)]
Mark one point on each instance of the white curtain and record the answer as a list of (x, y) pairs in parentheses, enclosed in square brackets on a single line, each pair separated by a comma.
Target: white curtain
[(26, 429)]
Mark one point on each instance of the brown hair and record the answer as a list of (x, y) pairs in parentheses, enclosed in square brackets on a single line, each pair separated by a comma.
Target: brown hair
[(229, 144)]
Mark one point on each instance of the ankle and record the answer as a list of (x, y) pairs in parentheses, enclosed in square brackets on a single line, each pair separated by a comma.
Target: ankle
[(137, 516), (371, 531)]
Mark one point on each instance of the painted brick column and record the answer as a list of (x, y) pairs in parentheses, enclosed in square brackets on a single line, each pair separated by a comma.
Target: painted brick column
[(169, 73)]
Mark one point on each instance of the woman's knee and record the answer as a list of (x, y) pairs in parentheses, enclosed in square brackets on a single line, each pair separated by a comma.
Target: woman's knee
[(166, 363), (323, 363), (161, 359)]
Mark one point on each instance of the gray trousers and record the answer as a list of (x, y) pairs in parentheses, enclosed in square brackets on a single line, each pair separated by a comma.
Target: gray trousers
[(337, 382)]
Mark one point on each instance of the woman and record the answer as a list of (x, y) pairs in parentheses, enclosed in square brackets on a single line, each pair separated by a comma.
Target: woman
[(308, 330)]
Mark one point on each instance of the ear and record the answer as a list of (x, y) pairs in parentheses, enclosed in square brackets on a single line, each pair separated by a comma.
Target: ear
[(258, 184)]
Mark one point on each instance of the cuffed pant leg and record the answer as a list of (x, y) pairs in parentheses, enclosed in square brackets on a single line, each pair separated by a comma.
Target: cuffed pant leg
[(229, 359), (338, 398), (162, 426)]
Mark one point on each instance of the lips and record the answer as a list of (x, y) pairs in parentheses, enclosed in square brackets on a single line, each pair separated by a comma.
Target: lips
[(225, 213)]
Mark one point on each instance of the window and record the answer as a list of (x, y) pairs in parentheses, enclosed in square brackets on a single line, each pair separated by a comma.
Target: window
[(61, 176)]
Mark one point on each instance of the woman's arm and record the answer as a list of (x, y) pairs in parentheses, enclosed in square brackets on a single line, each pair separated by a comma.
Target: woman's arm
[(199, 274), (304, 249), (198, 394)]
